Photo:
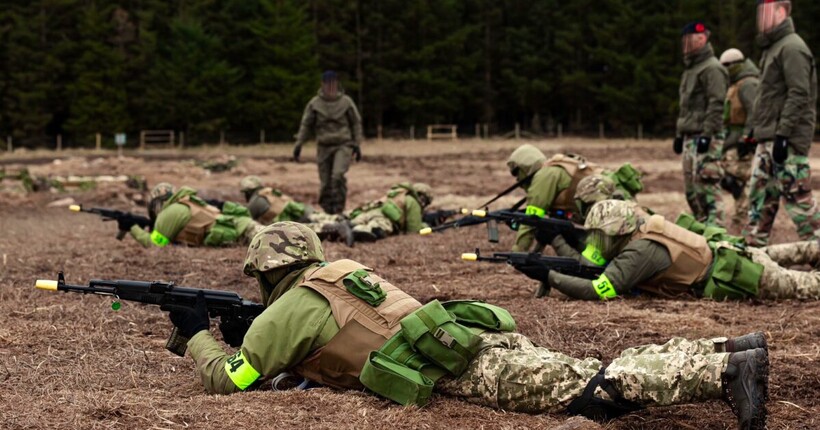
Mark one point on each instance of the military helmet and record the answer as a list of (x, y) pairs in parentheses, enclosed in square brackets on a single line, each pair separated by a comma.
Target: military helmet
[(730, 56), (612, 218), (163, 190), (425, 192), (595, 188), (282, 244), (250, 183)]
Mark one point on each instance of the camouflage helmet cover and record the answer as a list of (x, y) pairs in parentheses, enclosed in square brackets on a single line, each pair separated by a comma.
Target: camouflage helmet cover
[(162, 189), (280, 245), (424, 191), (612, 218), (595, 188), (250, 183)]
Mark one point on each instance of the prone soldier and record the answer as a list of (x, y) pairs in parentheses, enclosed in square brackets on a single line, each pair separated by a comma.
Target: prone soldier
[(400, 211)]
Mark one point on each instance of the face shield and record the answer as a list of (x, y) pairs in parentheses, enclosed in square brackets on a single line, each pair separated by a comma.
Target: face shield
[(694, 42), (771, 13)]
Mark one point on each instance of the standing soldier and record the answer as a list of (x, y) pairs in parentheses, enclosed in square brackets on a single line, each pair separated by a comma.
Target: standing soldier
[(702, 91), (738, 149), (333, 119), (784, 119)]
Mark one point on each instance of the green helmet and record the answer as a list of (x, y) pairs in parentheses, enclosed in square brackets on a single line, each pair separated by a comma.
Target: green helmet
[(525, 160), (249, 184), (163, 190), (282, 244), (612, 218), (425, 193)]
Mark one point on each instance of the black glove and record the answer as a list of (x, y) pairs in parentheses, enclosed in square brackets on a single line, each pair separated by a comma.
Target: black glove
[(703, 144), (297, 151), (233, 331), (677, 146), (125, 223), (357, 153), (781, 149), (189, 320)]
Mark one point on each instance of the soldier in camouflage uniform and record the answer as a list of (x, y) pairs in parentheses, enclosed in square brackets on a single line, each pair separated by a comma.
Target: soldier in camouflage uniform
[(702, 91), (551, 183), (339, 324), (738, 148), (180, 217), (647, 253), (332, 117), (268, 205), (400, 211), (784, 121)]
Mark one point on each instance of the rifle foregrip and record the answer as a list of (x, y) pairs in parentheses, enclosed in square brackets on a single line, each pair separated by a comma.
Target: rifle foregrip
[(177, 343)]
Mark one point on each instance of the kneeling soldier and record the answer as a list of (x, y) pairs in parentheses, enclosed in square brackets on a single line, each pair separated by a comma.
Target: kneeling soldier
[(341, 325)]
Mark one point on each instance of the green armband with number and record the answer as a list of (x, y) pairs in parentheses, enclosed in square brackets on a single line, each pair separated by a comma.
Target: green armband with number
[(158, 239), (240, 371), (535, 210), (593, 254), (604, 288)]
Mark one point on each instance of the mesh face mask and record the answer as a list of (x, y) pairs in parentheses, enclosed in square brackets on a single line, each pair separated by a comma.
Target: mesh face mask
[(608, 246)]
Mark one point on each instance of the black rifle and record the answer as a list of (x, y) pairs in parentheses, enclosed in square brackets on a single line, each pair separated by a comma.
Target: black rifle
[(219, 204), (467, 221), (115, 215), (537, 266), (546, 228), (227, 305), (436, 218)]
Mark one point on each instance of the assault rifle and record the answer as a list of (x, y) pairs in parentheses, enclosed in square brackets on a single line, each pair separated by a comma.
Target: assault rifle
[(536, 266), (227, 305), (115, 215), (436, 218)]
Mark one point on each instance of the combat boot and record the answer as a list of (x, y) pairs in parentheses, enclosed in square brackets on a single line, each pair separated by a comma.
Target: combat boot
[(364, 236), (345, 232), (746, 387), (747, 341)]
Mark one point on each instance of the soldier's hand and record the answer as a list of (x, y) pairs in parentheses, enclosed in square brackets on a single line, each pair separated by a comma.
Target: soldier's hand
[(190, 320), (233, 332), (357, 153), (677, 146), (297, 151), (781, 149), (703, 144)]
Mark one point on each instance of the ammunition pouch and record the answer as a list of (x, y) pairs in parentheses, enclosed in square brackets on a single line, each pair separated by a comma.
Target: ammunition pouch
[(712, 233), (628, 179), (734, 275), (222, 232), (292, 211), (391, 211), (598, 409)]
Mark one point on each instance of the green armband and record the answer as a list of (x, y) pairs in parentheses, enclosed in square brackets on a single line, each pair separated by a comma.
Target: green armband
[(604, 288), (240, 370), (593, 254), (158, 239), (535, 210)]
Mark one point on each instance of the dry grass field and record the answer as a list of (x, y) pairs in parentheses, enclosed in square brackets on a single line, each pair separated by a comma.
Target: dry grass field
[(71, 362)]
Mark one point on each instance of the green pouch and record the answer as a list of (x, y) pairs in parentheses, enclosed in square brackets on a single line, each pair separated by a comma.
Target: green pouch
[(474, 313), (361, 285), (629, 178), (395, 381), (235, 209), (734, 276), (223, 231), (292, 211), (434, 333), (713, 233), (391, 211), (689, 222)]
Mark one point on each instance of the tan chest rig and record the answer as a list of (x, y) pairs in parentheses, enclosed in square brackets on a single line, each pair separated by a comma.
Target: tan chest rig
[(690, 254), (202, 219), (363, 328), (277, 202), (737, 112), (578, 168)]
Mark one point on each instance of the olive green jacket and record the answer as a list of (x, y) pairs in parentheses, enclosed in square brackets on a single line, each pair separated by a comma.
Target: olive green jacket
[(170, 222), (547, 183), (702, 92), (787, 97), (747, 91), (333, 120)]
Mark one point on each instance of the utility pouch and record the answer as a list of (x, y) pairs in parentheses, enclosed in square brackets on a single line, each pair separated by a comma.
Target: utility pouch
[(734, 276), (434, 333), (223, 231), (235, 209), (361, 285), (473, 313), (689, 222), (712, 233), (629, 178), (387, 377), (391, 211), (292, 211)]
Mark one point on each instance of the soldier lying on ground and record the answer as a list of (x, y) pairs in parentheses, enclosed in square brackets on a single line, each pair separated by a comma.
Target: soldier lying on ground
[(268, 205), (341, 325), (400, 211), (647, 253)]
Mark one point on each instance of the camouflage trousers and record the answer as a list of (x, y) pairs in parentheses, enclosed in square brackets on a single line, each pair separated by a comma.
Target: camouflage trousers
[(779, 282), (739, 170), (770, 182), (320, 221), (701, 178), (333, 161), (371, 220), (514, 374), (250, 231)]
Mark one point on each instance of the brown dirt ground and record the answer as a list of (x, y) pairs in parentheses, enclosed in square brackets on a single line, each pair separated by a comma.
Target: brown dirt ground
[(69, 361)]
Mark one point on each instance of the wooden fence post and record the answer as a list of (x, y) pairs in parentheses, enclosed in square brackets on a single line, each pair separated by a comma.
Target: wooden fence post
[(98, 141), (181, 139), (601, 130), (560, 130), (221, 137), (412, 132), (59, 142), (171, 137), (262, 136), (640, 131), (9, 144), (517, 131), (477, 131), (379, 133), (142, 140), (486, 130)]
